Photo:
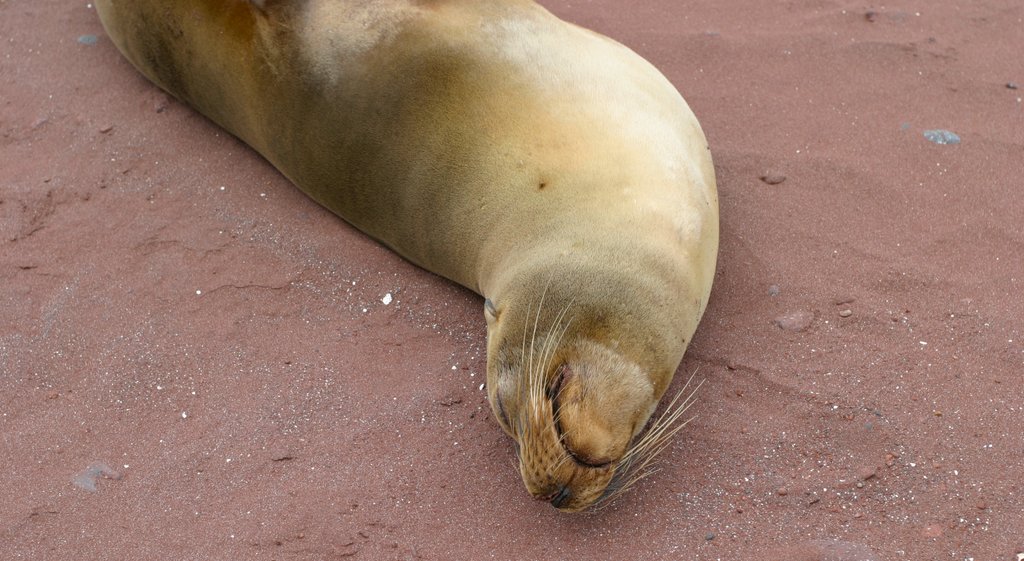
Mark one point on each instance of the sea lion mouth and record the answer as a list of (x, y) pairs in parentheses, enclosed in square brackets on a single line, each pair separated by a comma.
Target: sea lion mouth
[(558, 498), (563, 496), (547, 498)]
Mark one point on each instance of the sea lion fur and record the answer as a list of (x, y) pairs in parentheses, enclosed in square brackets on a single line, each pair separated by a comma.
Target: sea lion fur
[(543, 166)]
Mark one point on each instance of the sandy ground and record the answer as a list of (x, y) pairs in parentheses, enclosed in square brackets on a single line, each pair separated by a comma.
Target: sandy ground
[(196, 361)]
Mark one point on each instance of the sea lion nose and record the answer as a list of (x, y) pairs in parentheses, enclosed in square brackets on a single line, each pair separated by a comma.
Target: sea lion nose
[(561, 497)]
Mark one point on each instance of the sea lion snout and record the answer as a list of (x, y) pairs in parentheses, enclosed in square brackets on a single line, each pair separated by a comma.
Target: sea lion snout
[(572, 414)]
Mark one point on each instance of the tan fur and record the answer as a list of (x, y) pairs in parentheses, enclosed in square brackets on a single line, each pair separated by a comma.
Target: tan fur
[(545, 167)]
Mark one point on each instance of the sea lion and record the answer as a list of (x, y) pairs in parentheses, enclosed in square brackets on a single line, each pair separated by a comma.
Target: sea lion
[(547, 168)]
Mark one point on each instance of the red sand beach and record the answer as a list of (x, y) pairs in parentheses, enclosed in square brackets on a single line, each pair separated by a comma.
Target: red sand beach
[(197, 362)]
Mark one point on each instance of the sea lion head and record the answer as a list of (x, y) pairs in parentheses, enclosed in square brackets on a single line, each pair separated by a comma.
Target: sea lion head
[(572, 404)]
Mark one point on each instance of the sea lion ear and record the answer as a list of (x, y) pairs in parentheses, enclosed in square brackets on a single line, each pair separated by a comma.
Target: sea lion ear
[(490, 312)]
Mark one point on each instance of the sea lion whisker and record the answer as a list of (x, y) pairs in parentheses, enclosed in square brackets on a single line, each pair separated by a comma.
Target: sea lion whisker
[(659, 429), (564, 327), (538, 368), (659, 446), (558, 327), (639, 468), (535, 372), (551, 341), (618, 487), (664, 428), (638, 462), (519, 379), (635, 477), (555, 334), (522, 352), (654, 442), (556, 341), (565, 458)]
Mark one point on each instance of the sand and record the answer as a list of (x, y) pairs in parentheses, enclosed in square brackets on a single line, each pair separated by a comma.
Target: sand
[(198, 362)]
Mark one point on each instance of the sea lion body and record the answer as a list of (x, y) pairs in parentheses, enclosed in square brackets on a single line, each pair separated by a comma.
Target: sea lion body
[(543, 166)]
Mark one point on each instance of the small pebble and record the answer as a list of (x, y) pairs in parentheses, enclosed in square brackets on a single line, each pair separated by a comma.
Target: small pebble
[(710, 536), (782, 491), (87, 479), (846, 313), (106, 128), (774, 290), (281, 455), (942, 136), (87, 39), (160, 103), (1012, 85), (871, 16), (982, 505), (773, 178), (794, 321), (1020, 557), (933, 531), (866, 473)]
